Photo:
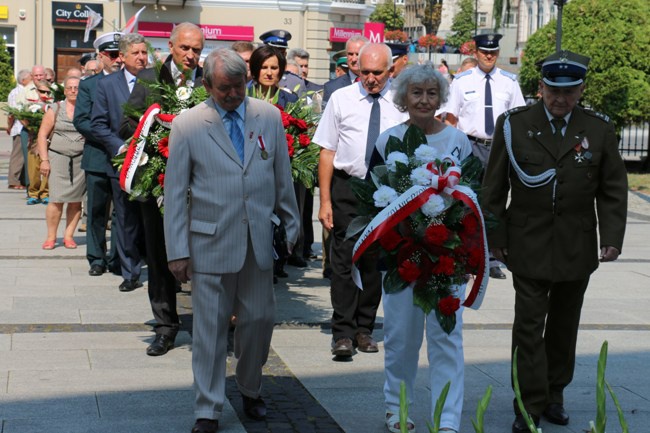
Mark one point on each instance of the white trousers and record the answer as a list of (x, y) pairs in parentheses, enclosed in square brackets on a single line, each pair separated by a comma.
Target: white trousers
[(403, 333)]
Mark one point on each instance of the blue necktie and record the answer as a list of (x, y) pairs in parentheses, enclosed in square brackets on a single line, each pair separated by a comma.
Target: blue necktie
[(373, 126), (558, 125), (236, 136), (489, 119)]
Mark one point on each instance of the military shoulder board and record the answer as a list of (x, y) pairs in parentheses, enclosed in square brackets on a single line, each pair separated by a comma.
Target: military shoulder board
[(516, 110), (464, 73), (510, 75), (601, 116)]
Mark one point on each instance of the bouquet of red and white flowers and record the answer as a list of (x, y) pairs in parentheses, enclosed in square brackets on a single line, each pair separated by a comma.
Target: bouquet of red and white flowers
[(142, 166), (422, 210)]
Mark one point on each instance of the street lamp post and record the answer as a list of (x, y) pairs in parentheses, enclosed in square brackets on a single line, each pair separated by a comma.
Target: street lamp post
[(475, 17), (558, 32)]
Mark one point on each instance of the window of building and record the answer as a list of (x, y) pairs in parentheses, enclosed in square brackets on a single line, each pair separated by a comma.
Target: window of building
[(482, 19), (8, 34), (510, 20)]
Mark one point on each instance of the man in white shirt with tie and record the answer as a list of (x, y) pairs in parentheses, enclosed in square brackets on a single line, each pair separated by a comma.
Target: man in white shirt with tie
[(347, 133), (477, 97)]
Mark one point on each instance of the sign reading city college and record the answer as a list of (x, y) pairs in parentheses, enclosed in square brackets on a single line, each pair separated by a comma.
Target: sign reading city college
[(74, 14)]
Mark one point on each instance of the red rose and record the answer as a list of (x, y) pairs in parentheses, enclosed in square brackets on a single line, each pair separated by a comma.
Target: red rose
[(445, 265), (163, 147), (299, 123), (409, 271), (448, 305), (290, 140), (436, 234), (304, 140), (161, 179)]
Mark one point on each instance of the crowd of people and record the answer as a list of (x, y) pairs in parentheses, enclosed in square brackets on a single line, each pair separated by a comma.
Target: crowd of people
[(228, 182)]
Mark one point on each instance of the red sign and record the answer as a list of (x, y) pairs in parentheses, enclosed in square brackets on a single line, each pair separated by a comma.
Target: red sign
[(339, 34), (213, 33), (374, 32)]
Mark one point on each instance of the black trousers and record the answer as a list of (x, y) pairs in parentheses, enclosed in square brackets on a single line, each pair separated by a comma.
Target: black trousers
[(161, 283), (355, 310), (545, 330), (99, 193)]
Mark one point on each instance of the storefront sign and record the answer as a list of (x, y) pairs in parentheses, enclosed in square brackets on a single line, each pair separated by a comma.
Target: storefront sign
[(74, 14), (211, 32), (373, 31)]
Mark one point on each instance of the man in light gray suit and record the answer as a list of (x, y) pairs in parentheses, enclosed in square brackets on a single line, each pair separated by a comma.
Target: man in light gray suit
[(230, 153)]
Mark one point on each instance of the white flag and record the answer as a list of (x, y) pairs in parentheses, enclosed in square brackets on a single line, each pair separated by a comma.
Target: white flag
[(93, 21), (131, 23)]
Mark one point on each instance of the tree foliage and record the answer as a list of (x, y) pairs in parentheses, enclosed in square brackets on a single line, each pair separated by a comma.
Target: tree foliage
[(389, 14), (7, 81), (618, 79), (432, 16), (463, 24)]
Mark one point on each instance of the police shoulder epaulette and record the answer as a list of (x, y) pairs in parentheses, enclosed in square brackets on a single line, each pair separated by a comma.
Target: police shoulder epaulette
[(516, 110), (463, 74), (510, 75), (601, 116)]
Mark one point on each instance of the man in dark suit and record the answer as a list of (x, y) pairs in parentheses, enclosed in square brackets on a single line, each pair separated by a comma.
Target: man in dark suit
[(185, 46), (95, 161), (112, 92), (230, 153), (561, 166), (352, 48)]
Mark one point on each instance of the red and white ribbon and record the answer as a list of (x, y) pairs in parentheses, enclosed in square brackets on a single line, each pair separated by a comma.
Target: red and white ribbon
[(412, 200), (136, 148)]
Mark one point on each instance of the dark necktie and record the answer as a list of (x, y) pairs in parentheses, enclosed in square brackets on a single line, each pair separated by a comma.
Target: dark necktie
[(558, 124), (489, 119), (235, 134), (373, 126)]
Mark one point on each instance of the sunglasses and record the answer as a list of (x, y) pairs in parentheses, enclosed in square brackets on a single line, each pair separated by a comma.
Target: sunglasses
[(112, 54), (44, 91)]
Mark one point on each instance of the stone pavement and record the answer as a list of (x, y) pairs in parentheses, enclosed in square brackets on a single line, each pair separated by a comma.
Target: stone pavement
[(72, 347)]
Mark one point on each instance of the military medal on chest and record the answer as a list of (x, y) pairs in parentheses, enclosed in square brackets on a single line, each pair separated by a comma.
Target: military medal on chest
[(263, 153), (582, 151)]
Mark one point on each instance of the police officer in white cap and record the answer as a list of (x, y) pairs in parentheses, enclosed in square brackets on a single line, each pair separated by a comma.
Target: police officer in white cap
[(477, 97)]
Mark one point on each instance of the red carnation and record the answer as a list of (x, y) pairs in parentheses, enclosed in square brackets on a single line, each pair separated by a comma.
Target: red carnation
[(304, 140), (390, 240), (469, 222), (436, 234), (448, 305), (409, 271), (291, 151), (299, 123), (161, 179), (290, 140), (445, 265), (474, 259), (163, 147), (286, 119)]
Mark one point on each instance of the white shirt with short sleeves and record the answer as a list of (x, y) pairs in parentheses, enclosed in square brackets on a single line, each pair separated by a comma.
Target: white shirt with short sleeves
[(449, 141), (467, 98), (343, 127)]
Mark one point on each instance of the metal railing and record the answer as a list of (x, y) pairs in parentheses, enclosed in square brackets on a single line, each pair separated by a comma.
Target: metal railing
[(633, 142)]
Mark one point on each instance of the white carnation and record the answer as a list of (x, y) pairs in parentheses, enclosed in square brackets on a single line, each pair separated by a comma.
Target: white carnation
[(384, 196), (395, 157), (421, 176), (433, 206), (425, 154), (34, 108), (183, 93)]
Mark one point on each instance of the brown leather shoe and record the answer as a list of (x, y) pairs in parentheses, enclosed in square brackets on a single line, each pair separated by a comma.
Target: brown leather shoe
[(343, 347), (204, 425), (254, 408), (365, 343)]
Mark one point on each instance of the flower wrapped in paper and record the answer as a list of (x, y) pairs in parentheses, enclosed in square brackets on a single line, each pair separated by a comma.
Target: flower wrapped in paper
[(142, 166), (421, 209)]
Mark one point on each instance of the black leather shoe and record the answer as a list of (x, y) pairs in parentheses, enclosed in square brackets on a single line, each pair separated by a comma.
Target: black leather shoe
[(204, 425), (254, 408), (161, 345), (556, 414), (130, 285), (96, 270), (343, 347), (297, 261), (519, 426), (281, 273), (497, 273)]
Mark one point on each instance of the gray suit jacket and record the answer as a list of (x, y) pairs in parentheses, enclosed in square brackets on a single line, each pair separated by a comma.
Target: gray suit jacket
[(229, 201)]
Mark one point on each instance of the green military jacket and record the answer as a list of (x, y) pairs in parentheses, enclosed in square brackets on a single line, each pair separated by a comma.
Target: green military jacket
[(551, 231)]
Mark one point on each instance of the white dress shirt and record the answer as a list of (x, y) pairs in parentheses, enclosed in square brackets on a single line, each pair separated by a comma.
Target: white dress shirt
[(467, 98), (343, 127)]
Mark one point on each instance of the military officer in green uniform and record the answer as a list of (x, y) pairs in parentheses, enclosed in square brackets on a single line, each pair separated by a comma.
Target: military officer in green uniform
[(568, 185)]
